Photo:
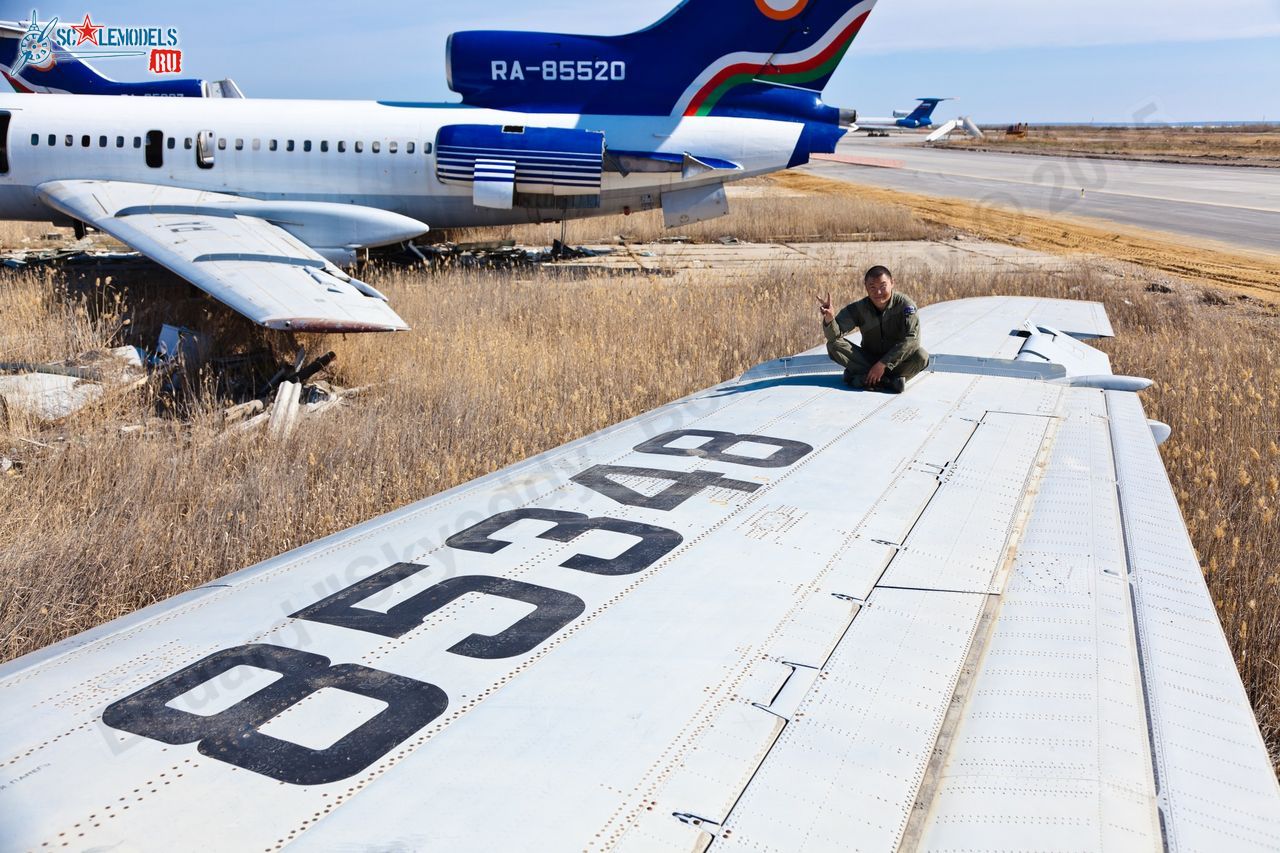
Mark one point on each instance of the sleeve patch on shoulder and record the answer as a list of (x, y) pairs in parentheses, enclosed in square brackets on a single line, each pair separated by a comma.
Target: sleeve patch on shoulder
[(909, 310)]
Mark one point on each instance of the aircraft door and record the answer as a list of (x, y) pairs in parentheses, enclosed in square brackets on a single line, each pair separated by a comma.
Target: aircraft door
[(4, 141), (204, 149), (155, 148)]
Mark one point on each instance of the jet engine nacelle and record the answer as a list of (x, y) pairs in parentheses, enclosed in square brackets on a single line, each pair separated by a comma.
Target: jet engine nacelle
[(500, 161)]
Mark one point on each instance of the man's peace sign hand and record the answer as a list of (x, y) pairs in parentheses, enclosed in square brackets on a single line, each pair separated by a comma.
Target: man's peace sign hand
[(824, 305)]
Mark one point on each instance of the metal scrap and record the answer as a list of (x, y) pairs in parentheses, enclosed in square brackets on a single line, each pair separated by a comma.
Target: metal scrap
[(54, 391), (284, 412)]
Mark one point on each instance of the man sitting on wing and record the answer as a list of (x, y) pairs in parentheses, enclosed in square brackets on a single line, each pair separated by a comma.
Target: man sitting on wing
[(890, 353)]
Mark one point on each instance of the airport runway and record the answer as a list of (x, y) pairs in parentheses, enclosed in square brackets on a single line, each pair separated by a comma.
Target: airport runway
[(1236, 205)]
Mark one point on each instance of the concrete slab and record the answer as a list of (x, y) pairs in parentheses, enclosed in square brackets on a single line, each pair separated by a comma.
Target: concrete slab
[(738, 259)]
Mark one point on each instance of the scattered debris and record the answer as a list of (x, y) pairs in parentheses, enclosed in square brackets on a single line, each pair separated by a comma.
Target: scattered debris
[(54, 391), (243, 410), (178, 343), (492, 254), (7, 465), (728, 240), (1159, 287), (284, 413), (1213, 297)]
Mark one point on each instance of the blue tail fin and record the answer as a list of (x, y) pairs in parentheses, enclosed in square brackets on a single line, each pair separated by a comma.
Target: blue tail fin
[(922, 115), (685, 64)]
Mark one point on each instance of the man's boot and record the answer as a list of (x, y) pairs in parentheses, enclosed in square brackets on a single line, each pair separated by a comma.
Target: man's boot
[(892, 385), (855, 380)]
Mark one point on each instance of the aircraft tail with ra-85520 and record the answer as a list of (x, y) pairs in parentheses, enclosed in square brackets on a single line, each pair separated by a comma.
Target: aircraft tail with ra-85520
[(261, 203)]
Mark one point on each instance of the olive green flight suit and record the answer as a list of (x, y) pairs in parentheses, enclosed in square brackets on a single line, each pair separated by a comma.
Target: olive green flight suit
[(891, 336)]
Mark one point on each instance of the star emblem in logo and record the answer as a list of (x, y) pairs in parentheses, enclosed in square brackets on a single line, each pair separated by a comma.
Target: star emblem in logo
[(87, 32)]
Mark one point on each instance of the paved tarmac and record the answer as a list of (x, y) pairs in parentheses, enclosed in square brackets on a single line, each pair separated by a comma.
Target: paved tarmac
[(1231, 204)]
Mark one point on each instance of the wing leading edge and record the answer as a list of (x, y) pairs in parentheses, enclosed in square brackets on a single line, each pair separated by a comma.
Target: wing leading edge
[(262, 259), (774, 615)]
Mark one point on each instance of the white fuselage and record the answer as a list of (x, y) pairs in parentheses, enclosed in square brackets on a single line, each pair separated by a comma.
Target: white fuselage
[(325, 151)]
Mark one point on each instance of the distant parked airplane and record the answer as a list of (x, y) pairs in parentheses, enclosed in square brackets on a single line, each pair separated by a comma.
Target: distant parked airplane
[(32, 61), (918, 119)]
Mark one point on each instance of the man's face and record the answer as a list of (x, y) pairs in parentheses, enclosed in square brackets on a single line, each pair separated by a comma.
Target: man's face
[(880, 289)]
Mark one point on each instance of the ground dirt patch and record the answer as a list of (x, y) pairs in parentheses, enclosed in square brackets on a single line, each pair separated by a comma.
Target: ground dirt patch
[(1254, 274)]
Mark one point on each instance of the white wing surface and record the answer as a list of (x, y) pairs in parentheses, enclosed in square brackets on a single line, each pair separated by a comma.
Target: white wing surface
[(776, 615), (262, 259)]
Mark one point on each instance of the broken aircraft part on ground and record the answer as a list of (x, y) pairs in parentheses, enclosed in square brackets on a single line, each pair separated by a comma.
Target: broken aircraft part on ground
[(51, 392)]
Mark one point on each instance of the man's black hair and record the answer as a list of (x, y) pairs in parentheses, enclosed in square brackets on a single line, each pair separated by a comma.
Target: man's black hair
[(876, 272)]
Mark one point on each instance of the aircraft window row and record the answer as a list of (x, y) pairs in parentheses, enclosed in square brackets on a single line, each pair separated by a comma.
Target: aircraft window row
[(85, 141), (375, 147)]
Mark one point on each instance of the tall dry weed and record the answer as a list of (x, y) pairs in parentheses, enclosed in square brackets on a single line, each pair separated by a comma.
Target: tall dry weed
[(765, 219)]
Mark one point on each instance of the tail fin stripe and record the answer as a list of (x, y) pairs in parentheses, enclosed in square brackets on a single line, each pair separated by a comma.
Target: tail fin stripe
[(793, 73), (808, 64)]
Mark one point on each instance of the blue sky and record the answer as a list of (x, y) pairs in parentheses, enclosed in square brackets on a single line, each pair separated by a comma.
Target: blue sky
[(1006, 60)]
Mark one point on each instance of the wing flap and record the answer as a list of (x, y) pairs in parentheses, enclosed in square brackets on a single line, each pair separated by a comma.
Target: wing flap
[(248, 263)]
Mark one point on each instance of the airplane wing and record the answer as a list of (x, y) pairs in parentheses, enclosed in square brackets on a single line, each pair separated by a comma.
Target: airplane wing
[(775, 615), (240, 252)]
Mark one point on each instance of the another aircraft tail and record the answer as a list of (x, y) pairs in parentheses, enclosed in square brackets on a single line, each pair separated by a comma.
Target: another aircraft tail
[(922, 115), (702, 55)]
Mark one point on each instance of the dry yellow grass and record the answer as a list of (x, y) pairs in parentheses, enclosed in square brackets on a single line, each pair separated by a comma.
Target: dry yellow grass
[(103, 523), (756, 219), (1251, 145), (1255, 274)]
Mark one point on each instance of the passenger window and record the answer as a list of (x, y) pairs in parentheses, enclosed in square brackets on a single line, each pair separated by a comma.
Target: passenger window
[(53, 139), (102, 142), (172, 143), (119, 141), (155, 148), (257, 144), (306, 145), (391, 147), (186, 143), (222, 143), (85, 141), (288, 146), (271, 146), (359, 147), (324, 145), (239, 144), (342, 146), (426, 148), (408, 148), (137, 142), (375, 147), (35, 139)]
